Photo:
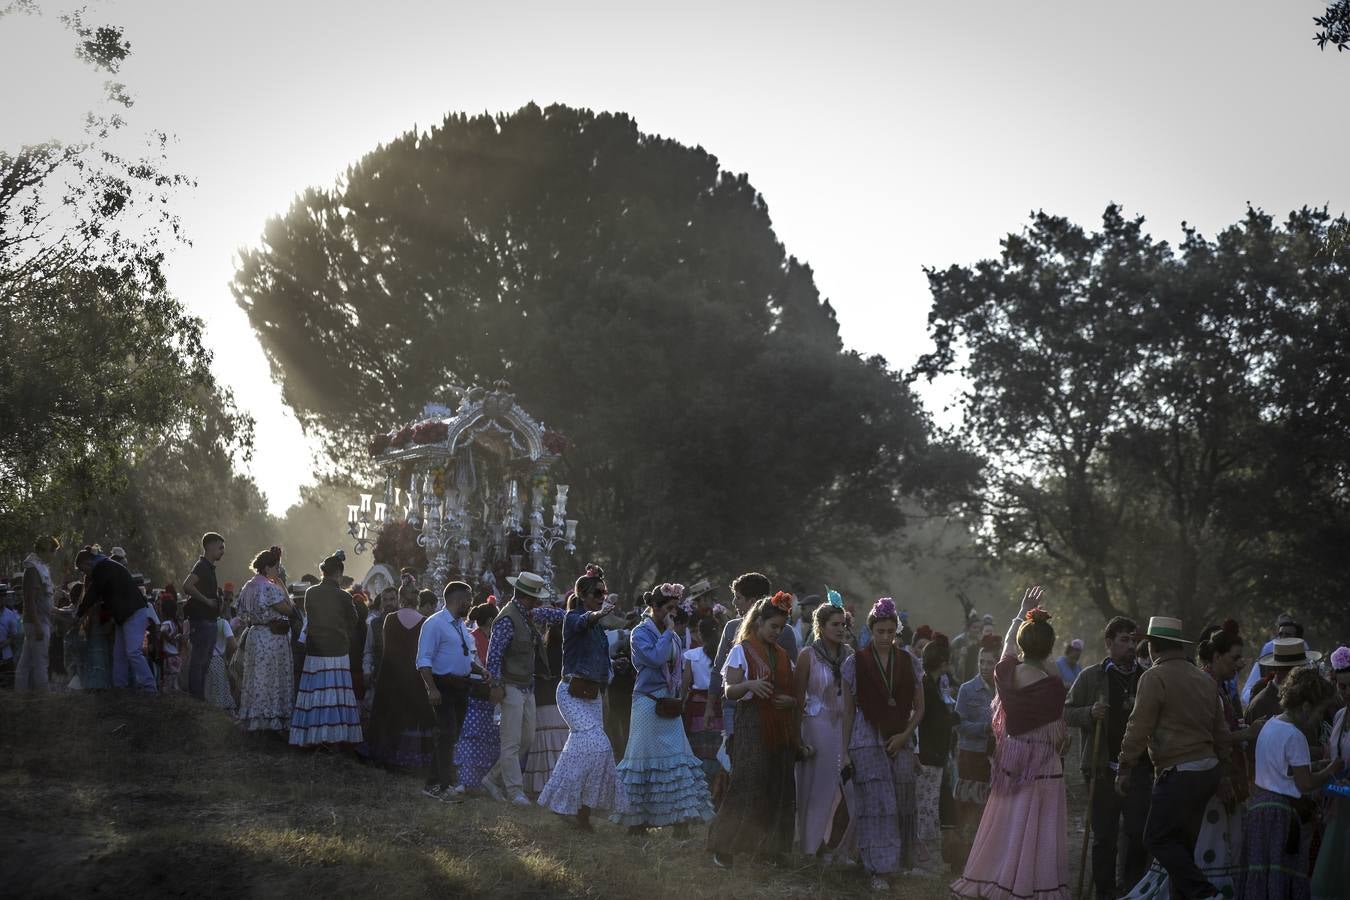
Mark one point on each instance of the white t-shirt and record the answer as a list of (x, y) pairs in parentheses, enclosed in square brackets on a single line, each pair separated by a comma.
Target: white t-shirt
[(736, 660), (223, 633), (702, 668), (1279, 747)]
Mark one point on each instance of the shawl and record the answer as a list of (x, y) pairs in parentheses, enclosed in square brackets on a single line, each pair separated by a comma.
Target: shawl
[(873, 698), (834, 663), (1030, 707), (776, 723)]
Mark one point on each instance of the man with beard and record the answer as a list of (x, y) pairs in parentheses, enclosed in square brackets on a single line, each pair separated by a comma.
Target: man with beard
[(1105, 693)]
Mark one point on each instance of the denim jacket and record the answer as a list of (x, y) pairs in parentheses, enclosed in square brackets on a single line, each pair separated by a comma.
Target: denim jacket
[(652, 649), (974, 703), (585, 648)]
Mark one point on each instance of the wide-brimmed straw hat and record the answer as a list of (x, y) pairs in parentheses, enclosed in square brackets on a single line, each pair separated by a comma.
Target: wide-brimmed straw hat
[(698, 589), (1289, 653), (528, 583), (1164, 627)]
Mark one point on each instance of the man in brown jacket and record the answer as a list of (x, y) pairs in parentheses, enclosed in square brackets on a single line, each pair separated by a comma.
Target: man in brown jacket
[(1178, 717)]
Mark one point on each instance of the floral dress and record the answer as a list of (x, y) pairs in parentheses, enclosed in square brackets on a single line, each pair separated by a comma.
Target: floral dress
[(267, 687)]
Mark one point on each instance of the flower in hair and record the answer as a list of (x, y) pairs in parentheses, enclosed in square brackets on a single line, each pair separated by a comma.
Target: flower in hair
[(782, 601), (836, 599), (1340, 659), (670, 590), (687, 605), (1036, 614), (884, 609), (719, 609), (594, 571)]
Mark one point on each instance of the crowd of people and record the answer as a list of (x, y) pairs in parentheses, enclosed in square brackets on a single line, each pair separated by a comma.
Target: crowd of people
[(785, 722)]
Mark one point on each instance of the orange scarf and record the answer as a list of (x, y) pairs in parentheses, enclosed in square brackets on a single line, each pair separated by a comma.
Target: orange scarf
[(772, 663)]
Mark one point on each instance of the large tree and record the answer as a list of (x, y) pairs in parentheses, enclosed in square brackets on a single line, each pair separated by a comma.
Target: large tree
[(634, 295), (103, 370), (1156, 418)]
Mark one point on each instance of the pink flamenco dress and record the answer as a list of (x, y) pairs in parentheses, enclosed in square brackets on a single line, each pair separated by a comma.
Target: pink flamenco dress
[(1021, 849)]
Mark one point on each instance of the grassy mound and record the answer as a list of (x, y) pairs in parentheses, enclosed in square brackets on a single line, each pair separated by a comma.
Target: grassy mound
[(119, 795)]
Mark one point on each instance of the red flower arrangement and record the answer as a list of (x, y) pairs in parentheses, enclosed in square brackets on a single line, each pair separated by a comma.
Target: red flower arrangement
[(402, 437), (556, 442), (397, 547), (430, 432), (378, 444)]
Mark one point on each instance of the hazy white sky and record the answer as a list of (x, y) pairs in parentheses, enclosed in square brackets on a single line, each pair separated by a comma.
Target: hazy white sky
[(885, 135)]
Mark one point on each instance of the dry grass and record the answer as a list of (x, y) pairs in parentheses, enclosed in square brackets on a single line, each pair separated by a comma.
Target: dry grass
[(126, 796)]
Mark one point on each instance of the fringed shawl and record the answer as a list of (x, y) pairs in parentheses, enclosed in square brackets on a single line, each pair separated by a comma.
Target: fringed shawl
[(771, 663), (1029, 726)]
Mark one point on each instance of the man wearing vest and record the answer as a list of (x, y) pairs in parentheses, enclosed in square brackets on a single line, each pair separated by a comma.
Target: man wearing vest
[(515, 655)]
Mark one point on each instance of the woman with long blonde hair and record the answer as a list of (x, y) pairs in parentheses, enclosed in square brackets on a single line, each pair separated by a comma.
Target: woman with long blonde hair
[(757, 813)]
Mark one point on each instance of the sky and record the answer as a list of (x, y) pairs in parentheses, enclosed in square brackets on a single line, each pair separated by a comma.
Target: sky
[(885, 136)]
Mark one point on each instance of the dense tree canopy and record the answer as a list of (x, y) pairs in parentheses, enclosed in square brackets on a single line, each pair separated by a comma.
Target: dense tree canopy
[(634, 295), (105, 387), (1165, 427), (1333, 26)]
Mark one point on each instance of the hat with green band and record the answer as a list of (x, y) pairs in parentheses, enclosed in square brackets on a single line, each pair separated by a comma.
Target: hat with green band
[(1163, 627)]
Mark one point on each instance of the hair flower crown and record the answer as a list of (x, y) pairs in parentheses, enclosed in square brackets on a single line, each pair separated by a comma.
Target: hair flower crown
[(670, 590), (884, 609), (1340, 659), (781, 601), (1036, 614), (836, 599)]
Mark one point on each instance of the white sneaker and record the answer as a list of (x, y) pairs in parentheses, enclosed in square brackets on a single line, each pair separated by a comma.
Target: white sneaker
[(521, 800)]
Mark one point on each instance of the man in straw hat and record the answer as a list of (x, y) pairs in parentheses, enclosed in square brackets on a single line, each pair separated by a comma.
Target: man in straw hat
[(515, 655), (1286, 654), (1178, 718), (1286, 626)]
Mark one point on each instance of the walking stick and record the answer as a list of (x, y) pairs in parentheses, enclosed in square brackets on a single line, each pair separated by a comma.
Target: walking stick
[(1092, 787)]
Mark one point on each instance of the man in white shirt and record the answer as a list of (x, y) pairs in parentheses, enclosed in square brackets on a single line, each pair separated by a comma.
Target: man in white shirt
[(447, 663)]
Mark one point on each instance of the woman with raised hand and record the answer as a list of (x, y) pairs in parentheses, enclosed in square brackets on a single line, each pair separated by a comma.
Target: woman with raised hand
[(883, 705), (757, 813), (584, 779), (1021, 848)]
